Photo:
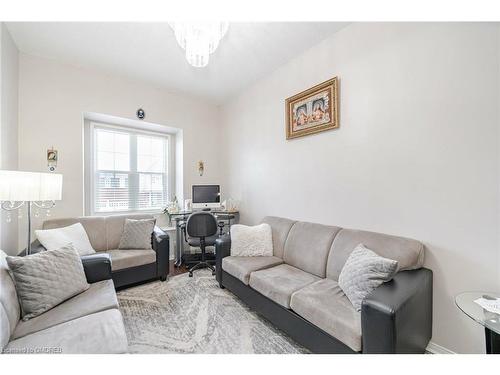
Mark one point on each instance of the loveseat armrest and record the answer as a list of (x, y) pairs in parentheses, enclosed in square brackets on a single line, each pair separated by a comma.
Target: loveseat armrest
[(222, 250), (36, 247), (161, 245), (397, 316), (97, 267)]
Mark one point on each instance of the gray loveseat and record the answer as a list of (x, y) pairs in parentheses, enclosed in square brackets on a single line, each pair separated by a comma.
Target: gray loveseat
[(90, 322), (297, 289), (129, 266)]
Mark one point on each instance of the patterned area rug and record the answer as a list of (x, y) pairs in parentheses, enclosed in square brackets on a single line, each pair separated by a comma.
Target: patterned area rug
[(193, 315)]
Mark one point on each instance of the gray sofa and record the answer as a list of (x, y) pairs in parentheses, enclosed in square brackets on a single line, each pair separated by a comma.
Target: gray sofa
[(297, 289), (129, 266), (90, 322)]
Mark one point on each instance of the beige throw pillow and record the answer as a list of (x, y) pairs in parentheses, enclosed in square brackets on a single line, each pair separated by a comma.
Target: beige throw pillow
[(46, 279), (137, 234)]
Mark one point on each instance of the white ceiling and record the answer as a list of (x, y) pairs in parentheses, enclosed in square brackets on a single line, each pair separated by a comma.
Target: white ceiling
[(149, 52)]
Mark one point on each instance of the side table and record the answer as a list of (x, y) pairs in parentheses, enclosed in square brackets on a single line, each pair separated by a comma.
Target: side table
[(489, 320)]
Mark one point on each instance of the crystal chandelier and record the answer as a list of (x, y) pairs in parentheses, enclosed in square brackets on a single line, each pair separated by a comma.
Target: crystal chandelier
[(199, 39)]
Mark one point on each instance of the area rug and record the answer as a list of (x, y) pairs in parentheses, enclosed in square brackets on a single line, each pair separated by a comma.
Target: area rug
[(193, 315)]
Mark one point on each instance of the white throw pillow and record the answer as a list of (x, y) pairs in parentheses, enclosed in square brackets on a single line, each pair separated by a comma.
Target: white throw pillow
[(253, 241), (53, 239)]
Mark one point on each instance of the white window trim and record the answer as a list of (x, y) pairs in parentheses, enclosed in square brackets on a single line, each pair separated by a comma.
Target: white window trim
[(89, 164)]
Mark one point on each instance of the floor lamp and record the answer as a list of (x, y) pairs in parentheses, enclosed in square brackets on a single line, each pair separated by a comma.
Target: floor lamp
[(30, 189)]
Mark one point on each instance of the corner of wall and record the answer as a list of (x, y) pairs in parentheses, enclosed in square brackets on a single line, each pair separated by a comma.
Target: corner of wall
[(9, 128)]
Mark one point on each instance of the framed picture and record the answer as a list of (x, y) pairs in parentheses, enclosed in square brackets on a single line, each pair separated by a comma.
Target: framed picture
[(313, 110)]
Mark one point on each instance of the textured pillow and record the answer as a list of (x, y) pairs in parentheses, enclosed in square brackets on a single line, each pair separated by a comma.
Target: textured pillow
[(251, 241), (363, 272), (53, 239), (137, 234), (46, 279)]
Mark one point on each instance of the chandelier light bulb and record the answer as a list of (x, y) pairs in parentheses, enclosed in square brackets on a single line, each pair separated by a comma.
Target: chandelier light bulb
[(199, 39)]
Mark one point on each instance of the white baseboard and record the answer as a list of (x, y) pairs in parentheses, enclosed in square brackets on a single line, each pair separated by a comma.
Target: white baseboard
[(438, 349)]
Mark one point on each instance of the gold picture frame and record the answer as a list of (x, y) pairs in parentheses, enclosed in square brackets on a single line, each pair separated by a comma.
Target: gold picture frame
[(313, 110)]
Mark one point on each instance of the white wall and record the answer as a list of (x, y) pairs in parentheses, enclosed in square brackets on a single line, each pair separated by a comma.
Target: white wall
[(53, 98), (1, 126), (416, 153), (8, 129)]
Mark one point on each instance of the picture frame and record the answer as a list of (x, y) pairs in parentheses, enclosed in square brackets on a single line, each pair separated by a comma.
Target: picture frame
[(313, 110)]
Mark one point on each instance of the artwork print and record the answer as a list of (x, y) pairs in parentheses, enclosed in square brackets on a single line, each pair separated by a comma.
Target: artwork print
[(313, 110)]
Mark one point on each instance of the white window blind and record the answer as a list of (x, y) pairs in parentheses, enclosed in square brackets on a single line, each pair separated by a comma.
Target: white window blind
[(130, 170)]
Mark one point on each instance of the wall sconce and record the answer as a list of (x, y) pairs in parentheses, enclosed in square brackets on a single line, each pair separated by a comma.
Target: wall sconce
[(201, 167), (52, 157)]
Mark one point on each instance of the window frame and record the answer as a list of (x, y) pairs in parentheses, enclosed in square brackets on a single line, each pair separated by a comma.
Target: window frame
[(90, 167)]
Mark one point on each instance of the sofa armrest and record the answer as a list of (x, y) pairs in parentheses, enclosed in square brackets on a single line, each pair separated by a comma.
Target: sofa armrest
[(397, 316), (97, 267), (222, 250), (161, 245), (36, 247)]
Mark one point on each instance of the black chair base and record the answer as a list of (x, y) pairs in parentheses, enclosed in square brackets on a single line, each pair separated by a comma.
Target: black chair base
[(200, 266), (189, 260)]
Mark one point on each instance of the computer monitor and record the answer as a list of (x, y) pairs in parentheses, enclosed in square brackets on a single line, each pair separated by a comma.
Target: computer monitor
[(206, 196)]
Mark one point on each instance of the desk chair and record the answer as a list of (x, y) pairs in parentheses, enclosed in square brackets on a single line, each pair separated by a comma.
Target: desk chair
[(223, 219), (201, 231)]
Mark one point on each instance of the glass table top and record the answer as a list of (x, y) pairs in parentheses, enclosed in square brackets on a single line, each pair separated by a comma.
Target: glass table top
[(214, 211), (465, 302)]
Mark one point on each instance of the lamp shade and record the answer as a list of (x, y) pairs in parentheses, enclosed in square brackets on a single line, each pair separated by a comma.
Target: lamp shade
[(17, 186)]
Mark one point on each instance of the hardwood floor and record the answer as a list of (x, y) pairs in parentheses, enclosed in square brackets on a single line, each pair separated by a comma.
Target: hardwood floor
[(173, 271), (176, 270)]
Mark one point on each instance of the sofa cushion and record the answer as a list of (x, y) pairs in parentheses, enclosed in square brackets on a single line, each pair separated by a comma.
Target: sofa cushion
[(99, 297), (280, 228), (308, 245), (325, 305), (94, 227), (44, 280), (121, 259), (8, 296), (4, 328), (280, 282), (407, 252), (114, 228), (102, 332), (242, 267)]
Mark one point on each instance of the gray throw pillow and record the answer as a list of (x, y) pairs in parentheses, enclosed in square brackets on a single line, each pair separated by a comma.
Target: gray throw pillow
[(137, 234), (46, 279), (363, 272)]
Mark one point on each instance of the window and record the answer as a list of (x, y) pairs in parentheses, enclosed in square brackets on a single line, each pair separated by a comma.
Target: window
[(129, 169)]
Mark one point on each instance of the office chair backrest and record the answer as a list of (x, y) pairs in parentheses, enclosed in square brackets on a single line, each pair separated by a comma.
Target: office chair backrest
[(201, 224)]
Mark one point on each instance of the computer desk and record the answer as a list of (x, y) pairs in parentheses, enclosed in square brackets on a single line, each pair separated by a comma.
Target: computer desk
[(182, 216)]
